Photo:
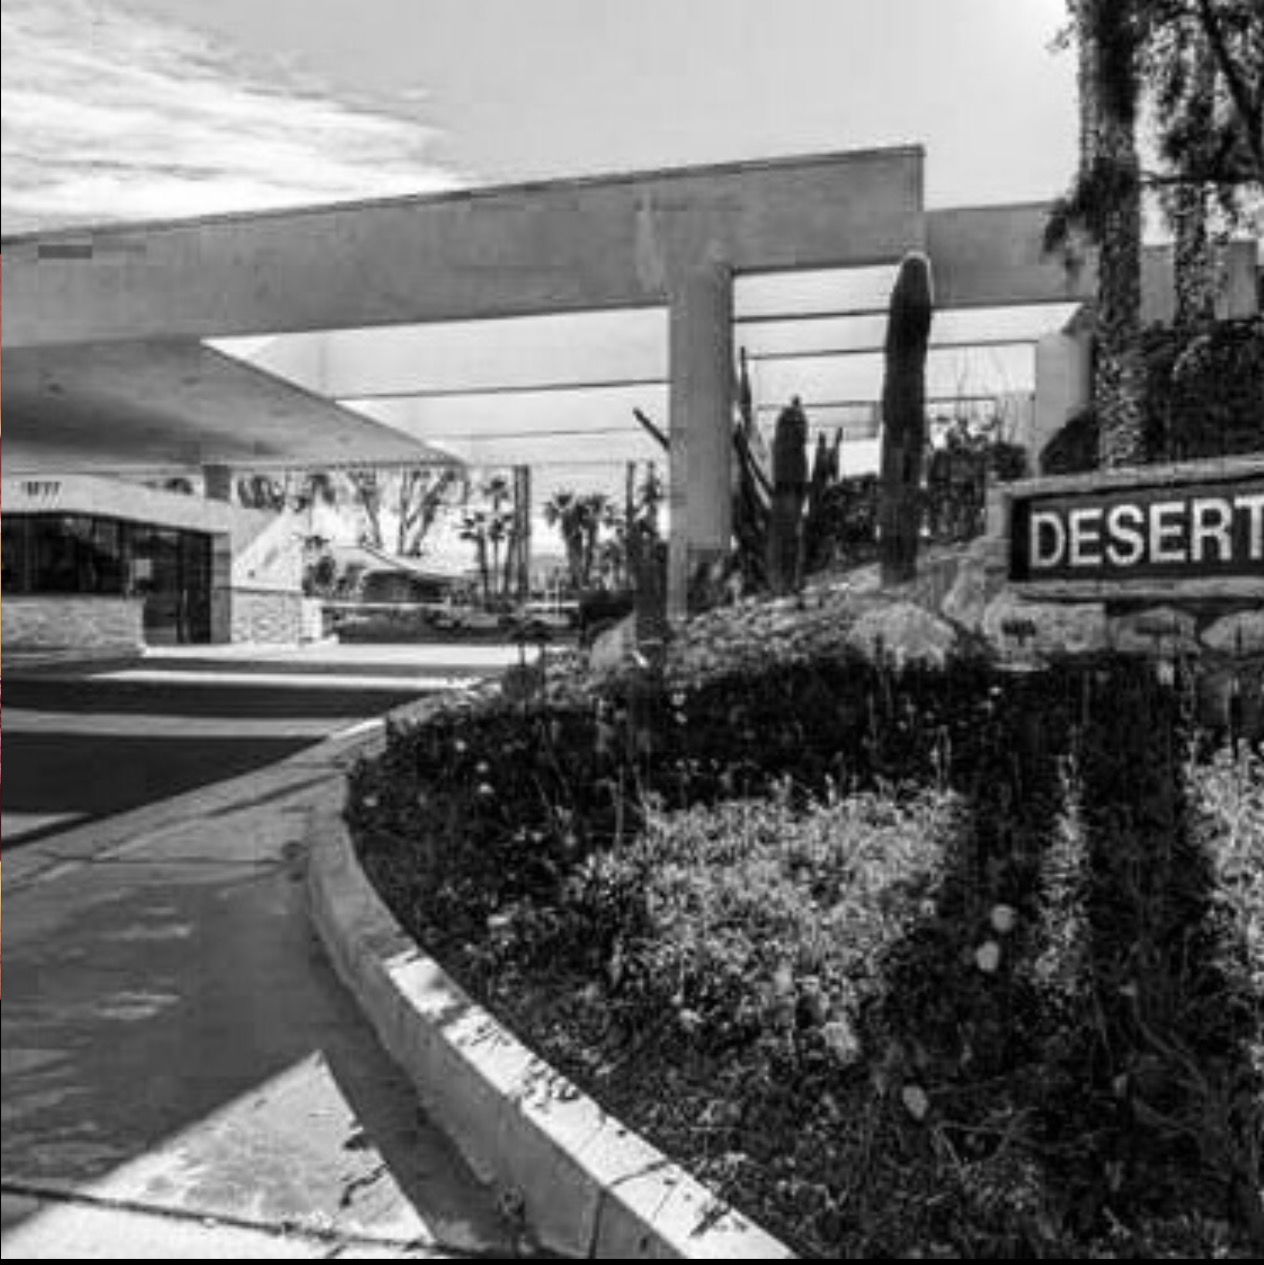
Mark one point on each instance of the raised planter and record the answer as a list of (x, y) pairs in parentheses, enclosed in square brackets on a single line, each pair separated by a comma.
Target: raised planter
[(586, 1185)]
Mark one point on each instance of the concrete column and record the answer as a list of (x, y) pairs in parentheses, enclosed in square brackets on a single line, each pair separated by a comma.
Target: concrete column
[(219, 487), (701, 422), (219, 483), (1064, 385)]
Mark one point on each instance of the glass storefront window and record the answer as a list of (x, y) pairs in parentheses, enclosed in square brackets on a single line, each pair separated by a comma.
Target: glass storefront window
[(54, 564), (83, 554), (64, 554), (16, 531)]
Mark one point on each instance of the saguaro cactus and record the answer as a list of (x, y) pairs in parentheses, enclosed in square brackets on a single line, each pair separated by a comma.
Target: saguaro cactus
[(790, 485), (904, 417)]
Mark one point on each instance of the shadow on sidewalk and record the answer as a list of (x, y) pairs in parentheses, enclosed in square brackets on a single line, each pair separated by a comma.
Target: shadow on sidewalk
[(174, 1036)]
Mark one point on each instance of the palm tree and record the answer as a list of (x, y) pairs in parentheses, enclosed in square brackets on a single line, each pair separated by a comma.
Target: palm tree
[(1203, 138), (592, 511), (499, 523), (474, 528), (612, 552), (1187, 207), (1232, 34), (578, 520), (1108, 40), (561, 511), (1105, 205)]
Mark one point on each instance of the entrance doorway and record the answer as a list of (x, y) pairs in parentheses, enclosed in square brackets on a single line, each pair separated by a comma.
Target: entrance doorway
[(172, 571)]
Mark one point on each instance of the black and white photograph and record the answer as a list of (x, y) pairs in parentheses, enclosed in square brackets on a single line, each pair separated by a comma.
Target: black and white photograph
[(634, 629)]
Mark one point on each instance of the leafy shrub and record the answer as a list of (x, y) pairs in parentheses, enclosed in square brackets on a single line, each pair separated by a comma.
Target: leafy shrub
[(1073, 449), (933, 960), (1205, 391), (843, 525), (1203, 394), (750, 919), (1229, 797)]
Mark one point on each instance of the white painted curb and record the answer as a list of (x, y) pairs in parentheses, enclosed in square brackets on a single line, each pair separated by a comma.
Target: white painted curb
[(588, 1186)]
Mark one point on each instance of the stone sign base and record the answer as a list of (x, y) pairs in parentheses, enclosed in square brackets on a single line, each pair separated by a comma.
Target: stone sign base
[(1218, 629)]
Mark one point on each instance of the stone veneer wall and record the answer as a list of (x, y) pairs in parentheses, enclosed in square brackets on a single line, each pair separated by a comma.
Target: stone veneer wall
[(269, 616), (313, 619), (1221, 639), (55, 622)]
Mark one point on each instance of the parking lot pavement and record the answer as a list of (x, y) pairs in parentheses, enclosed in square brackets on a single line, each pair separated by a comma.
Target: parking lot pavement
[(78, 749), (182, 1072)]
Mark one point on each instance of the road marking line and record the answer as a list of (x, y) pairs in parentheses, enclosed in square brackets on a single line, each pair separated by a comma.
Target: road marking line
[(415, 683), (363, 727)]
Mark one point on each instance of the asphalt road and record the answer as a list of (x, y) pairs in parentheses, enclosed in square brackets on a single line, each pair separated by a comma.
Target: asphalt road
[(79, 749), (183, 1073)]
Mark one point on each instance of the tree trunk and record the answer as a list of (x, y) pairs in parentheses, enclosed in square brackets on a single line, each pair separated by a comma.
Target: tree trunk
[(1192, 258), (1111, 149), (522, 502), (483, 571), (573, 535), (591, 528), (1086, 82), (1119, 369)]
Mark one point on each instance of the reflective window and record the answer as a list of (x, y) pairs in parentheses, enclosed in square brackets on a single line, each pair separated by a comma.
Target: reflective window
[(79, 553), (16, 562), (83, 554)]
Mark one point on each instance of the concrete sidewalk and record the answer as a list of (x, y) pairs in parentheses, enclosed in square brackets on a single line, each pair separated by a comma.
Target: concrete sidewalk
[(182, 1074)]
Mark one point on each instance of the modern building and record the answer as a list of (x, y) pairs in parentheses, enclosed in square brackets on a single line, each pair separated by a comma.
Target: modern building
[(372, 576), (107, 564), (520, 321)]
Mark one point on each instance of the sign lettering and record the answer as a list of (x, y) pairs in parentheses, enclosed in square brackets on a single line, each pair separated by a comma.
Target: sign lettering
[(1201, 530), (41, 489)]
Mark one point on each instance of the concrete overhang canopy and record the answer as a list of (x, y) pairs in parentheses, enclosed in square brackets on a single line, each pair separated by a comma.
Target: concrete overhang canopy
[(994, 255), (517, 250), (156, 404)]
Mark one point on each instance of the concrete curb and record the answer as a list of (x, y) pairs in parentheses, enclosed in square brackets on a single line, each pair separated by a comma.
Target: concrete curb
[(587, 1186)]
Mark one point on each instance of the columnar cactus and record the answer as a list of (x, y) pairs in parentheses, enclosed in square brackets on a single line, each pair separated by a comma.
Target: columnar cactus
[(904, 417), (790, 485)]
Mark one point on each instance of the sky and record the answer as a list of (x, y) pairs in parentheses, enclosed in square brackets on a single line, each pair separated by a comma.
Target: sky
[(137, 109), (157, 109)]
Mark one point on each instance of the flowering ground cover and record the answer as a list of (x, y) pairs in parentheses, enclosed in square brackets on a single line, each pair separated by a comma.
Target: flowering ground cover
[(939, 960)]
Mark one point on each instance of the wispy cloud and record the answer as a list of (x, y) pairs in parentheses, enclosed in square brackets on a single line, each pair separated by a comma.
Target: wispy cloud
[(111, 115)]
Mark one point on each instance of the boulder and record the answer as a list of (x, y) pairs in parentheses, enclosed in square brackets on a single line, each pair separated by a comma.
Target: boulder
[(980, 577), (1241, 633), (612, 648), (1051, 628), (1163, 630), (905, 631)]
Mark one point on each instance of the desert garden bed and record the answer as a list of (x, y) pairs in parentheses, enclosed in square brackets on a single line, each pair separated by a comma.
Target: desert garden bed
[(934, 961)]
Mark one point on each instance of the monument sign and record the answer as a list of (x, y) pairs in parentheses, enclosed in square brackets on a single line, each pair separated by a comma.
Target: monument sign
[(1195, 530)]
